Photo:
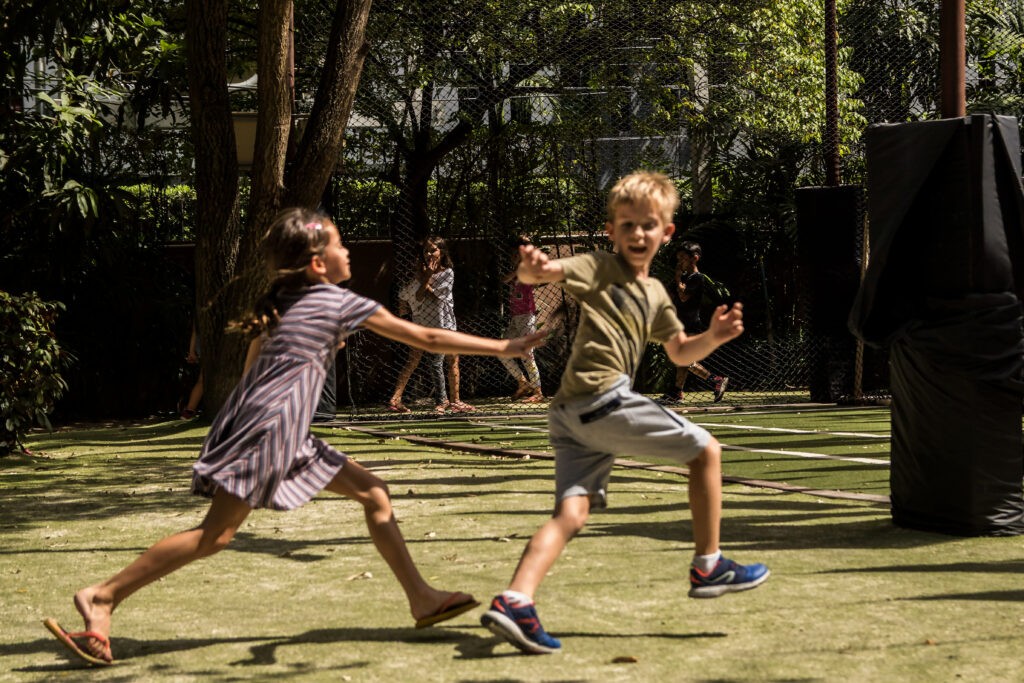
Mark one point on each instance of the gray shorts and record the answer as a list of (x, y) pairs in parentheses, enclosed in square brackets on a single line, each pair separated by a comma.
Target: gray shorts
[(587, 433)]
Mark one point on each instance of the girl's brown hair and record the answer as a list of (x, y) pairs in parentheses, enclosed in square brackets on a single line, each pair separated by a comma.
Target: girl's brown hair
[(437, 241), (294, 237)]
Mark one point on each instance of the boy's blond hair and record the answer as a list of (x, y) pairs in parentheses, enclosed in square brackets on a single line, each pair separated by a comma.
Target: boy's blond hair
[(645, 186)]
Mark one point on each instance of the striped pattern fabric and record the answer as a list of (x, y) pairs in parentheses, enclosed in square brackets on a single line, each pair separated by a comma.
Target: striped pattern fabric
[(259, 447)]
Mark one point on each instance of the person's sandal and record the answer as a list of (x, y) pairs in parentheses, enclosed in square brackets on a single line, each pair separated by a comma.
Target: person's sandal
[(397, 407)]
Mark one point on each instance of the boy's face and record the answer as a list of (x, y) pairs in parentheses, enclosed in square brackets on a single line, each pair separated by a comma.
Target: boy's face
[(637, 231), (686, 261)]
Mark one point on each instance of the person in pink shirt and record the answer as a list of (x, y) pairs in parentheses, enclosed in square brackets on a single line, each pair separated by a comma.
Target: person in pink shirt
[(523, 312)]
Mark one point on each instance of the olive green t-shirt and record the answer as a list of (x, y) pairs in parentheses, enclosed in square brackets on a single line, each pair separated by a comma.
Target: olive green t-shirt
[(619, 315)]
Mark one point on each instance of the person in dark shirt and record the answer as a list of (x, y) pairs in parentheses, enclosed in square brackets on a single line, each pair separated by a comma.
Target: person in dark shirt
[(688, 294)]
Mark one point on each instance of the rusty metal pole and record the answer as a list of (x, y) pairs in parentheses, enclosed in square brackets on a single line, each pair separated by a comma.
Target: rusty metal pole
[(831, 147), (953, 59)]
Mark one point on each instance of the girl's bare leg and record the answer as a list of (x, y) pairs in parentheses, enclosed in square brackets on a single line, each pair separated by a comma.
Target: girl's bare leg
[(403, 377), (96, 603), (196, 395), (453, 377), (356, 482)]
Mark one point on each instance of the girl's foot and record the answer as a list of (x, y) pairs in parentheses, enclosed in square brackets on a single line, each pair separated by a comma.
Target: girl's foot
[(396, 406), (441, 407), (535, 397), (450, 605), (460, 407), (96, 615), (523, 390)]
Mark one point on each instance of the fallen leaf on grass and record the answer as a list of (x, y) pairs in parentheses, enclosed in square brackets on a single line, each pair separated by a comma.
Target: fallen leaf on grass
[(359, 576), (625, 659)]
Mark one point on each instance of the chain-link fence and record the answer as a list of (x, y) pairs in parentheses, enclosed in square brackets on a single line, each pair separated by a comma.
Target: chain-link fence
[(481, 122)]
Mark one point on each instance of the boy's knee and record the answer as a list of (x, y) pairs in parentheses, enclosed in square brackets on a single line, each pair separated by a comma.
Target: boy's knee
[(573, 517), (711, 455)]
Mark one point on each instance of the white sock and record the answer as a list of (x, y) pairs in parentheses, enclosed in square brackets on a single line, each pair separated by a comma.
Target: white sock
[(706, 563), (517, 599)]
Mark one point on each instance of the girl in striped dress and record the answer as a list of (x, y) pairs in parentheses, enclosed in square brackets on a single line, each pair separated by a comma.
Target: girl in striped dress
[(259, 452)]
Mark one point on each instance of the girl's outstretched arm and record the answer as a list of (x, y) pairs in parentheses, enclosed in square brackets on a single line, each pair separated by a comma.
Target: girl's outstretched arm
[(436, 340)]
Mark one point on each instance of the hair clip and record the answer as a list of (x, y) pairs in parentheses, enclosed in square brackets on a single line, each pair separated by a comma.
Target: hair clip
[(314, 226)]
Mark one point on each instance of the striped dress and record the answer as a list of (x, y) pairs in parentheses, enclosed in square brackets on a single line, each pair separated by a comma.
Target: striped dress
[(259, 448)]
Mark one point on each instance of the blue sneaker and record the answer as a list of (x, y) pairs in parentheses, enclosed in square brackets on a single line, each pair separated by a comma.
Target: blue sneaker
[(726, 577), (519, 626)]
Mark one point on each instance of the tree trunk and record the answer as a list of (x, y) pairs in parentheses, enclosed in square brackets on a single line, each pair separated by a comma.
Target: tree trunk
[(320, 151), (701, 145), (217, 212), (273, 125), (229, 273)]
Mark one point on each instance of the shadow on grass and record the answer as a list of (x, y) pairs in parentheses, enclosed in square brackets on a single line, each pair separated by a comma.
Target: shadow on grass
[(262, 652), (66, 489), (476, 647), (1001, 567), (994, 596)]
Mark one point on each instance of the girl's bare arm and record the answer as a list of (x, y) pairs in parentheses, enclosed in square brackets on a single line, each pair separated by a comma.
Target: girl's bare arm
[(448, 341)]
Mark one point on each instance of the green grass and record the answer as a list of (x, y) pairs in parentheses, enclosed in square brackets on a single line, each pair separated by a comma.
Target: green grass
[(828, 449), (303, 596)]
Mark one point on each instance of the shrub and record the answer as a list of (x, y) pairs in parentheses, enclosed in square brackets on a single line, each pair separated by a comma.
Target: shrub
[(30, 365)]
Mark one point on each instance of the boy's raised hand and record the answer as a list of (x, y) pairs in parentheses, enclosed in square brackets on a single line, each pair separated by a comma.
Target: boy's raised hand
[(727, 322), (521, 346), (535, 267)]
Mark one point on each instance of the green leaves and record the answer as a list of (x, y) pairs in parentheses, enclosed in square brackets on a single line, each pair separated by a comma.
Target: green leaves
[(30, 365)]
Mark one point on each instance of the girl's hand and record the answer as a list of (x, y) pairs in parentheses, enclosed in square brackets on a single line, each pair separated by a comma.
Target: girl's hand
[(727, 322), (520, 347)]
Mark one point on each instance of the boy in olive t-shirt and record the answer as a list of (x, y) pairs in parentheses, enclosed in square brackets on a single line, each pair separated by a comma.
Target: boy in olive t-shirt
[(596, 415)]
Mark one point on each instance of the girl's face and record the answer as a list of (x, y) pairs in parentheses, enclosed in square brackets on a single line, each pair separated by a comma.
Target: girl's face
[(431, 255), (335, 258)]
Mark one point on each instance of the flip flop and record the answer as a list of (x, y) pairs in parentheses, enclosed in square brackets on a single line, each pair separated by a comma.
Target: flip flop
[(521, 391), (455, 605), (461, 407), (68, 639), (397, 407)]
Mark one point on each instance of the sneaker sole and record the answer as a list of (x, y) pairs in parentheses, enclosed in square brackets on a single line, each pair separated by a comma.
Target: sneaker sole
[(503, 627), (718, 590)]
